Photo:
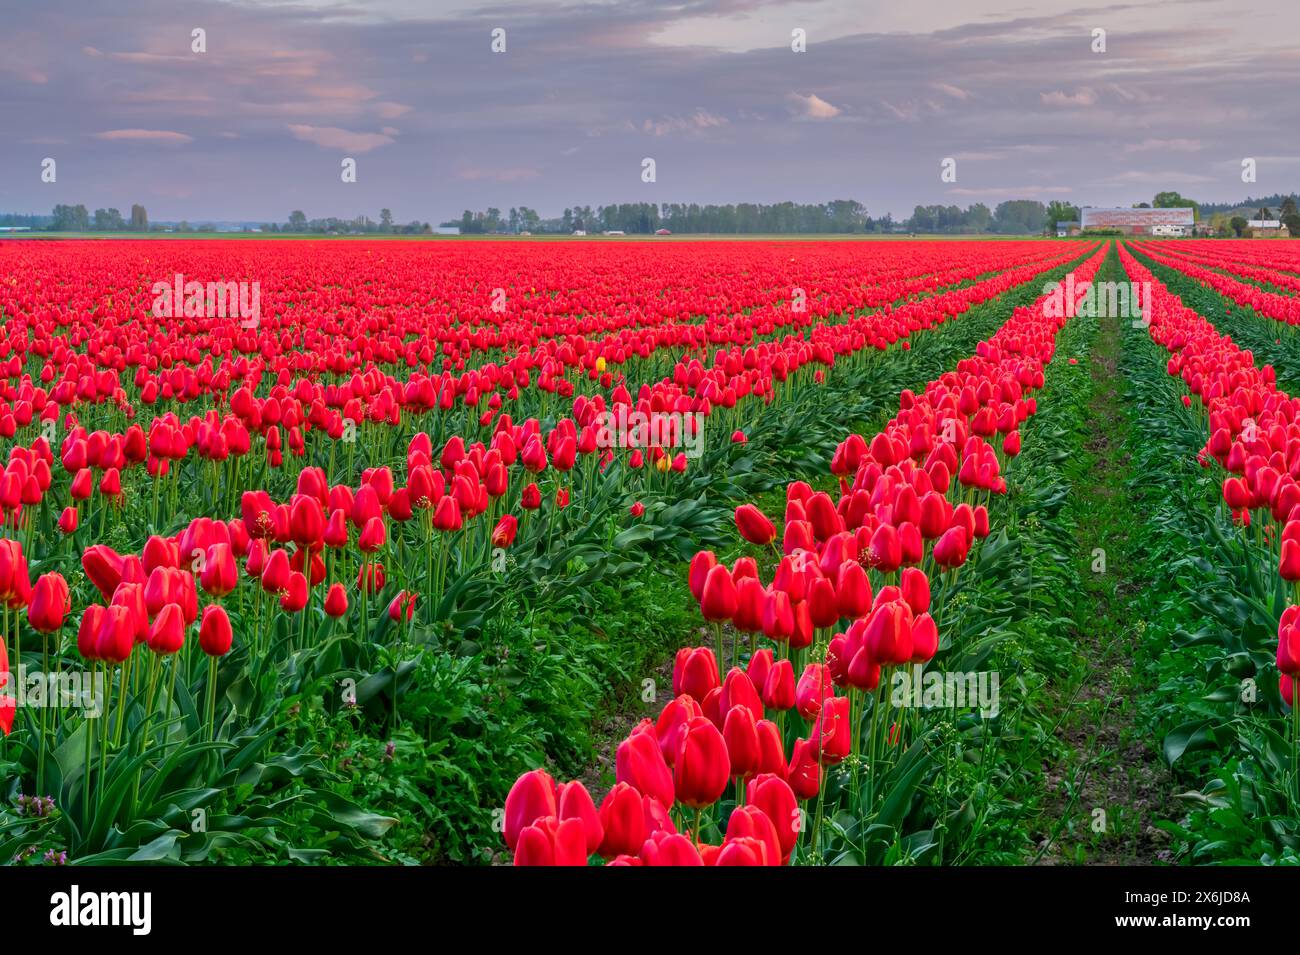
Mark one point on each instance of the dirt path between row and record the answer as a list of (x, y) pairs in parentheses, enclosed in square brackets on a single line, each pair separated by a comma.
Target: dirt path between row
[(1110, 785)]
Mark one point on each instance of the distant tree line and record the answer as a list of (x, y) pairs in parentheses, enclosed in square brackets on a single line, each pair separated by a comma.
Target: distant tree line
[(77, 219), (840, 216), (361, 225), (1277, 200)]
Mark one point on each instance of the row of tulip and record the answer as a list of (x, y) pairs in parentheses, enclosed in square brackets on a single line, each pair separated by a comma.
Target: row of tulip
[(914, 507), (1253, 438), (1272, 263), (1274, 305)]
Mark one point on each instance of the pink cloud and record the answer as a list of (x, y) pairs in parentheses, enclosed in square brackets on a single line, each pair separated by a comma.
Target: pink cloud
[(332, 137), (166, 136)]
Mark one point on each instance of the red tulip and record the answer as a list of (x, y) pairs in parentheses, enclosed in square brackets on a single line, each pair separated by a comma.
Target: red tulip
[(751, 822), (503, 535), (50, 603), (672, 718), (741, 736), (778, 691), (532, 797), (116, 638), (670, 849), (831, 733), (68, 520), (695, 672), (754, 526), (220, 574), (622, 819), (531, 499), (402, 606), (639, 763), (275, 575), (373, 536), (167, 633), (102, 565), (1289, 566), (718, 601), (215, 636), (575, 803), (702, 767), (772, 795), (549, 842), (814, 688), (336, 600)]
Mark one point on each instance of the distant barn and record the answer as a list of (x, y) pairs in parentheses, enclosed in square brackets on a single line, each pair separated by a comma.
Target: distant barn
[(1139, 221)]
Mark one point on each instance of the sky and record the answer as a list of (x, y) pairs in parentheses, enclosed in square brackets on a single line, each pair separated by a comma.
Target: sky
[(259, 123)]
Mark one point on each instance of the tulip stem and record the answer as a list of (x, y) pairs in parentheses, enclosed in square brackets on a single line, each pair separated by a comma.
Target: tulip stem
[(817, 822), (1295, 733), (45, 712), (212, 698), (148, 720), (123, 691), (171, 695), (717, 632), (103, 735), (85, 778)]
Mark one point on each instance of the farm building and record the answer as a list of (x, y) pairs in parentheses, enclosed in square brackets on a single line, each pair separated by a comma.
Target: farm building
[(1268, 229), (1067, 228), (1138, 221)]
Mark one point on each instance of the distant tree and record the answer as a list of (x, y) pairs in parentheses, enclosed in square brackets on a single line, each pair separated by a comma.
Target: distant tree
[(979, 217), (1238, 225), (1172, 200), (1058, 211), (139, 218), (385, 220), (297, 221), (103, 222), (70, 218), (1020, 217), (1288, 207), (1292, 223)]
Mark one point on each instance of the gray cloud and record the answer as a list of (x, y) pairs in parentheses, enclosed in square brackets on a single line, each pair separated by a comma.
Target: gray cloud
[(710, 89)]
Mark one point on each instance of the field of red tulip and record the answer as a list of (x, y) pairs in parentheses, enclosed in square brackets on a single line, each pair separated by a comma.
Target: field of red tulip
[(699, 553)]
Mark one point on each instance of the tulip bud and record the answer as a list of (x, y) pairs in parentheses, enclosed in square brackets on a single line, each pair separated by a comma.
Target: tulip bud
[(167, 633), (754, 526), (215, 636), (702, 767), (639, 763), (336, 600)]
